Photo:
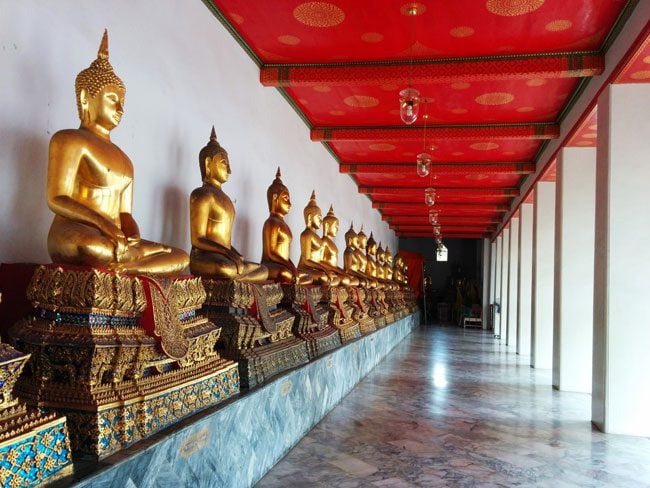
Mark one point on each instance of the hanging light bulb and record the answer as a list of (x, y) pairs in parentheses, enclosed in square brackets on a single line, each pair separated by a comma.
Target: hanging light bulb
[(423, 164), (433, 217), (409, 105), (430, 196), (436, 230)]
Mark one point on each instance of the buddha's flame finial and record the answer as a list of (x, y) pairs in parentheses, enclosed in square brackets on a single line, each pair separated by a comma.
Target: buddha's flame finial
[(103, 46), (278, 175), (213, 135)]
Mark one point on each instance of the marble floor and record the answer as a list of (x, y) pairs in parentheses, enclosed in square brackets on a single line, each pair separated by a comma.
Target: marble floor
[(454, 408)]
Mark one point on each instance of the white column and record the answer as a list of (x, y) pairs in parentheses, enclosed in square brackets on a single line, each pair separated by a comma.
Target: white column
[(575, 207), (487, 279), (493, 275), (505, 262), (513, 259), (543, 267), (525, 278), (497, 293), (621, 366)]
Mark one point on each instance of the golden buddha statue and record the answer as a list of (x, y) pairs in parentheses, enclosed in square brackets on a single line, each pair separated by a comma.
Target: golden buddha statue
[(212, 214), (380, 262), (398, 271), (90, 186), (276, 237), (389, 263), (331, 251), (312, 247), (351, 257), (371, 253), (361, 245)]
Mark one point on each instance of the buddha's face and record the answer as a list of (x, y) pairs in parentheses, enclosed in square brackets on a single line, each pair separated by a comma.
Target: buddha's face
[(218, 167), (334, 229), (316, 220), (105, 108), (281, 202), (362, 240)]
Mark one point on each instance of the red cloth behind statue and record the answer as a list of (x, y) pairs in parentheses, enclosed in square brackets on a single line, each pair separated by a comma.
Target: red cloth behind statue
[(14, 279), (414, 260)]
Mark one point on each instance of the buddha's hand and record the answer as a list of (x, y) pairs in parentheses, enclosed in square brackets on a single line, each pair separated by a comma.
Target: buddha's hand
[(115, 234)]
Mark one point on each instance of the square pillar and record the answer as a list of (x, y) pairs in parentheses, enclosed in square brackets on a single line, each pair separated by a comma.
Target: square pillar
[(486, 282), (543, 268), (505, 262), (621, 354), (493, 277), (513, 260), (575, 206), (497, 290), (525, 279)]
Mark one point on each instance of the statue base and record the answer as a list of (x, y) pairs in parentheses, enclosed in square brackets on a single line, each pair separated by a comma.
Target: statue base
[(340, 313), (255, 331), (122, 356), (357, 300), (304, 302), (34, 447)]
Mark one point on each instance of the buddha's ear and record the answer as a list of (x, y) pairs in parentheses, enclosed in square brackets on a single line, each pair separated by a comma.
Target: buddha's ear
[(83, 98)]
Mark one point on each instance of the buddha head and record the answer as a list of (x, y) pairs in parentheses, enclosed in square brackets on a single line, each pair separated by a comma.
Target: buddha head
[(381, 256), (351, 237), (277, 196), (330, 223), (371, 245), (362, 240), (100, 92), (312, 213), (389, 257), (213, 161)]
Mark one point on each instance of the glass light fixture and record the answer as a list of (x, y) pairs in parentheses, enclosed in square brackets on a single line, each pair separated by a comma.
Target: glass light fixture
[(430, 196), (423, 164), (409, 105), (433, 217)]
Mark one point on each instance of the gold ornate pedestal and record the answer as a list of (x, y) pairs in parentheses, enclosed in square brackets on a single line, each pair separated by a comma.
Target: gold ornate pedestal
[(340, 313), (121, 356), (34, 447), (255, 331), (357, 299), (304, 302), (375, 308)]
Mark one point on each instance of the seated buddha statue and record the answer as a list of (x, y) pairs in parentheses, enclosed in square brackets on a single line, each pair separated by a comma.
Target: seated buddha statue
[(311, 246), (90, 186), (331, 250), (371, 253), (351, 261), (212, 214), (361, 245), (398, 270), (380, 261), (276, 237)]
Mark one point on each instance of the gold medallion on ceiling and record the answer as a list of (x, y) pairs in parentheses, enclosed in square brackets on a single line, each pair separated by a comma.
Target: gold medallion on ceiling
[(536, 82), (640, 75), (484, 146), (461, 31), (361, 101), (512, 8), (460, 85), (372, 37), (318, 14), (559, 25), (525, 109), (289, 40), (495, 98), (382, 146)]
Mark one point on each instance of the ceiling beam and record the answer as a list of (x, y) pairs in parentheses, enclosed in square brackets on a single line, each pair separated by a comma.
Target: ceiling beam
[(537, 131), (440, 191), (441, 207), (522, 67), (442, 219), (440, 168)]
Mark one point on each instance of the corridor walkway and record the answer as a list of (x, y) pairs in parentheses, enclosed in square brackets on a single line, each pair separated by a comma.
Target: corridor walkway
[(453, 408)]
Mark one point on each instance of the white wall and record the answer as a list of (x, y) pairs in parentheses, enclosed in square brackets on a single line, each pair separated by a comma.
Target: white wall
[(183, 73)]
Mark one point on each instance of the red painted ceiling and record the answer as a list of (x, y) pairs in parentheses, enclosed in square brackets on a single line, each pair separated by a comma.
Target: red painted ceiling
[(497, 77)]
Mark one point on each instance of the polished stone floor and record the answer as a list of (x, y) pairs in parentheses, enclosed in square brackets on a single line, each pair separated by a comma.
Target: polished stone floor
[(454, 408)]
